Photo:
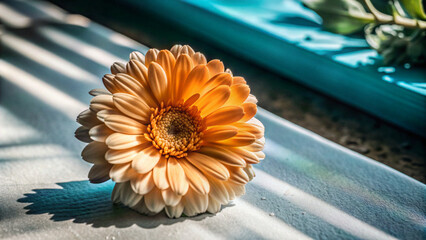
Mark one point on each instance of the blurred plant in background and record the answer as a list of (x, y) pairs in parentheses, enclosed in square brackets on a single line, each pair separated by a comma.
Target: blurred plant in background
[(397, 29)]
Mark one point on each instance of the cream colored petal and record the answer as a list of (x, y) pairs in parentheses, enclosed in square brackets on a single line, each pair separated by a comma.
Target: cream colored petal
[(99, 173), (238, 176), (146, 160), (260, 155), (195, 203), (167, 61), (230, 190), (257, 146), (118, 67), (217, 80), (82, 134), (132, 107), (218, 191), (224, 115), (214, 206), (241, 139), (138, 88), (123, 141), (196, 178), (160, 174), (170, 197), (101, 115), (218, 133), (101, 102), (213, 100), (215, 66), (176, 176), (100, 132), (126, 125), (176, 50), (249, 171), (195, 80), (186, 49), (88, 118), (157, 81), (151, 56), (248, 127), (94, 152), (229, 71), (251, 99), (143, 183), (122, 156), (238, 189), (109, 83), (208, 165), (223, 155), (199, 58), (250, 110), (121, 172), (99, 91), (141, 207), (138, 56), (239, 93), (138, 71), (176, 211), (154, 200), (180, 72), (238, 80), (248, 156), (123, 193)]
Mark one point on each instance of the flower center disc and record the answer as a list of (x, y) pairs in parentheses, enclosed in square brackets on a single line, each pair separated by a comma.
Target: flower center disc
[(175, 131)]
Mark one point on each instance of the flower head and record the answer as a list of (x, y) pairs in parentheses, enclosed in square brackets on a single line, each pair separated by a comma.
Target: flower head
[(174, 132)]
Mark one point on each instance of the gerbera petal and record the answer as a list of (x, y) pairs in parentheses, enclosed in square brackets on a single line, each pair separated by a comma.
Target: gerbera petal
[(238, 176), (139, 71), (217, 80), (160, 174), (151, 56), (199, 58), (157, 81), (257, 146), (238, 80), (167, 61), (223, 155), (94, 152), (239, 94), (154, 200), (130, 85), (208, 165), (124, 193), (122, 172), (126, 125), (101, 115), (257, 131), (215, 66), (180, 72), (99, 91), (241, 139), (213, 100), (224, 115), (191, 100), (250, 110), (249, 171), (214, 206), (218, 133), (175, 50), (138, 56), (100, 132), (251, 99), (99, 173), (170, 197), (248, 156), (142, 183), (195, 80), (177, 178), (132, 107), (101, 102), (82, 134), (122, 156), (146, 160), (186, 49), (176, 211), (118, 67), (108, 81), (260, 155), (218, 191), (123, 141), (196, 179), (195, 203)]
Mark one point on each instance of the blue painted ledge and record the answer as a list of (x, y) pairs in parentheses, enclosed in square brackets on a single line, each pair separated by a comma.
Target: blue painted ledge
[(306, 188), (287, 38)]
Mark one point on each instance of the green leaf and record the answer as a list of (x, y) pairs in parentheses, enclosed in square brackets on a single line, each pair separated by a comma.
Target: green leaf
[(341, 16), (414, 8)]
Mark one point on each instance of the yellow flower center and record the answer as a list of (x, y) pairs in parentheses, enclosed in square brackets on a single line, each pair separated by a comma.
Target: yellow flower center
[(175, 131)]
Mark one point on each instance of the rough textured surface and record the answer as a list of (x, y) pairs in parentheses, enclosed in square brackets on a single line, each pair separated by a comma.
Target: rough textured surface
[(331, 119), (307, 187)]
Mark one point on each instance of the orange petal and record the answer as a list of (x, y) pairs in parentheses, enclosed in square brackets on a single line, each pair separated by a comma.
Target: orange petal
[(250, 110), (224, 115), (238, 80), (251, 128), (101, 102), (157, 80), (256, 146), (217, 80), (238, 176), (177, 178), (118, 67), (195, 80), (126, 125), (154, 200), (219, 133), (143, 183), (100, 132), (146, 160), (191, 100), (208, 165), (138, 56), (179, 74), (94, 152), (213, 100), (196, 179), (160, 174), (241, 139), (223, 155), (170, 197), (99, 173), (167, 62), (215, 66), (151, 56), (132, 107), (122, 156), (239, 94), (108, 81), (123, 141)]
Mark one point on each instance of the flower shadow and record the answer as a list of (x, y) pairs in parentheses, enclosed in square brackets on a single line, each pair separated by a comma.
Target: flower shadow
[(88, 203)]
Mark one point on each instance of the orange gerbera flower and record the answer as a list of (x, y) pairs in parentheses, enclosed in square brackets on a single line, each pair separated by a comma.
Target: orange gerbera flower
[(173, 131)]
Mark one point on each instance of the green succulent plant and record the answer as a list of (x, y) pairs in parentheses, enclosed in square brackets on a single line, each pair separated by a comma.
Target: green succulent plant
[(397, 32)]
